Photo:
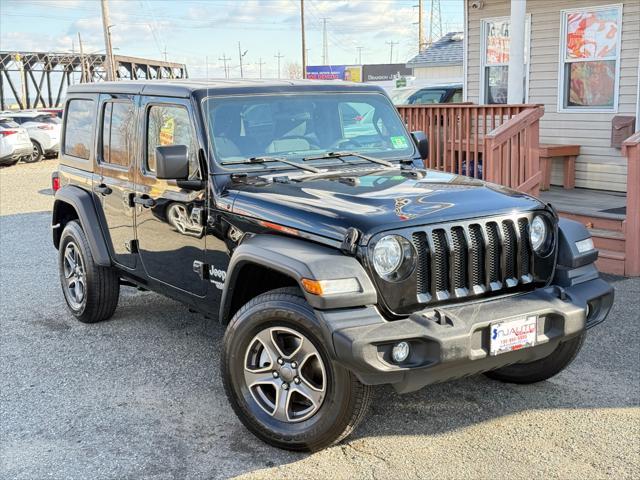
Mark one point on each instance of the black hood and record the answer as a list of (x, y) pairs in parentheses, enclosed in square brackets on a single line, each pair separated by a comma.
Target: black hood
[(374, 201)]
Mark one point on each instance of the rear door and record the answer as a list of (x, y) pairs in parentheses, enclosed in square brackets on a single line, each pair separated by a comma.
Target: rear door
[(116, 162), (170, 220)]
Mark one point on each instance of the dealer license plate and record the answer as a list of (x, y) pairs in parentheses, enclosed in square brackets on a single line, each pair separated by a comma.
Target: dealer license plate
[(513, 335)]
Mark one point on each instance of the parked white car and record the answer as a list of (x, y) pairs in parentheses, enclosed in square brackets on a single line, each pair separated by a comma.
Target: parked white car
[(15, 143), (44, 131)]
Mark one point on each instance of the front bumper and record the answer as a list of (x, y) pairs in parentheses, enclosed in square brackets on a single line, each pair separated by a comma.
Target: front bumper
[(453, 341)]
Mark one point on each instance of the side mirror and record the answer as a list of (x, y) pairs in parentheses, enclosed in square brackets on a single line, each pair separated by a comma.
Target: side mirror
[(172, 162), (422, 143)]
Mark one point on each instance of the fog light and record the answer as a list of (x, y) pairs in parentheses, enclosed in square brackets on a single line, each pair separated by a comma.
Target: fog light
[(400, 352)]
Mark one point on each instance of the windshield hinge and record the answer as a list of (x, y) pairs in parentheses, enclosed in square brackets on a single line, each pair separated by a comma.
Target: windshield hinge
[(350, 241)]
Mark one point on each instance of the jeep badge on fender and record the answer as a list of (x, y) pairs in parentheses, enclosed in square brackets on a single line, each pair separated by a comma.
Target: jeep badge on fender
[(299, 215)]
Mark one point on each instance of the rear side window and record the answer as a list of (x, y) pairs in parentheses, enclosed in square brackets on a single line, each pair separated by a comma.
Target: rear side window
[(79, 128), (170, 125), (117, 133)]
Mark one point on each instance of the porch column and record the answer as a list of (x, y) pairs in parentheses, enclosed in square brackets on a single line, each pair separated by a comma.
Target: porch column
[(515, 93)]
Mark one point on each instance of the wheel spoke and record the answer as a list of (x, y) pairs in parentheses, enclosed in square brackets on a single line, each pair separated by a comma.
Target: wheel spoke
[(68, 256), (262, 376), (281, 412), (304, 352), (265, 337), (306, 390)]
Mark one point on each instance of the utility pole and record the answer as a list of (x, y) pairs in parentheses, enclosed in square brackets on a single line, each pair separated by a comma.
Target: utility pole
[(278, 56), (83, 75), (421, 41), (260, 63), (165, 53), (240, 55), (304, 46), (224, 59), (359, 54), (325, 44), (106, 24), (435, 23), (391, 44)]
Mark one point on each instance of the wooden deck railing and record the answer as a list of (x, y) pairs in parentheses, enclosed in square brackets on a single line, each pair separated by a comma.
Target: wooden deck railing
[(631, 149), (511, 152), (458, 136)]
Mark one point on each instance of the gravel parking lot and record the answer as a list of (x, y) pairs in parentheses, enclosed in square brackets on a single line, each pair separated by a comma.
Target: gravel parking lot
[(140, 396)]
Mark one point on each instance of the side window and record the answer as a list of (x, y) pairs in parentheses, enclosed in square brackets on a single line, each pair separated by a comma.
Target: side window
[(456, 97), (357, 119), (79, 128), (170, 125), (117, 133)]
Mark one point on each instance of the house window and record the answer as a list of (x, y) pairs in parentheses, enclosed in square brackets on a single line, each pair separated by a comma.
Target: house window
[(590, 58), (496, 40)]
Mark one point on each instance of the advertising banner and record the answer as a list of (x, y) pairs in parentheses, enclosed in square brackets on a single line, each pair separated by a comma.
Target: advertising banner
[(384, 72), (325, 72)]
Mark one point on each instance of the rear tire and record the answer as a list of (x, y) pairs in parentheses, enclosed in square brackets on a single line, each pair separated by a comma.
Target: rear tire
[(542, 369), (91, 291), (337, 401), (37, 154)]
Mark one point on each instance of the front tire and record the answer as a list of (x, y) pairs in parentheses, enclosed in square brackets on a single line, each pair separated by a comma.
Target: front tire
[(91, 291), (280, 379), (542, 369), (36, 155)]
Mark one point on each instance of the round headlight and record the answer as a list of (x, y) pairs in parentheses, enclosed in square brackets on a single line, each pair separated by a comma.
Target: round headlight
[(387, 255), (538, 232)]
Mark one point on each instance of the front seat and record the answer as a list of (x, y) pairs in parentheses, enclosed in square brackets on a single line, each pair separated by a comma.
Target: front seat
[(226, 131)]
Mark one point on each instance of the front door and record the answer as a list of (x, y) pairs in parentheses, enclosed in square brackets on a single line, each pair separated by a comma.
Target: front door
[(170, 220), (116, 162)]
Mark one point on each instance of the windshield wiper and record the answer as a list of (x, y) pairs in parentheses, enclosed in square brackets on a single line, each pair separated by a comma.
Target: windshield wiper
[(339, 155), (254, 160)]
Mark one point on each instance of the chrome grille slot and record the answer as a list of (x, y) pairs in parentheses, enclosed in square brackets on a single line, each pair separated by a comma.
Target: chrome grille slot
[(510, 247), (469, 259), (422, 274), (459, 273), (440, 263)]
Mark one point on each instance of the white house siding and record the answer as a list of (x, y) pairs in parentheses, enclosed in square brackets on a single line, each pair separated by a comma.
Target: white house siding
[(452, 73), (598, 166)]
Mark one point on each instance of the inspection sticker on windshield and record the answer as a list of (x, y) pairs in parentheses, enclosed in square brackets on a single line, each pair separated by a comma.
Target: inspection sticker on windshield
[(399, 142), (513, 335)]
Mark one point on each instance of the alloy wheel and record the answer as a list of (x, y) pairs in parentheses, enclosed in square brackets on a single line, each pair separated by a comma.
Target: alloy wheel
[(74, 275), (285, 374)]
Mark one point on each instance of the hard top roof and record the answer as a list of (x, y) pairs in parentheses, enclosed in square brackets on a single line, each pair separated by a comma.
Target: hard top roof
[(185, 87)]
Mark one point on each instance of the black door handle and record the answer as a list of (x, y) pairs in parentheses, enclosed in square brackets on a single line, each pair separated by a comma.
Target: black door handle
[(144, 201), (103, 189)]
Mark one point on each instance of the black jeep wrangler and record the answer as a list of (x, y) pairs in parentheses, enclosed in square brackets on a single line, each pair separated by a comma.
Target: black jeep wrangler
[(300, 216)]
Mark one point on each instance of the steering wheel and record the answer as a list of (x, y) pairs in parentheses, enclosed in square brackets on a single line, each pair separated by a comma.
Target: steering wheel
[(345, 143), (313, 146)]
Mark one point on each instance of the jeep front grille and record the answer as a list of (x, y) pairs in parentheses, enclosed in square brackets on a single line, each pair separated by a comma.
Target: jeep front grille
[(460, 260)]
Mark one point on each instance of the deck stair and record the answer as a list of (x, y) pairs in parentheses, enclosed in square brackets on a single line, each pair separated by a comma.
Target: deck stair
[(608, 237)]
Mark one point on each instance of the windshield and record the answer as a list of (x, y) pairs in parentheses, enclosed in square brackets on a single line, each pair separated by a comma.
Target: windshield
[(309, 125)]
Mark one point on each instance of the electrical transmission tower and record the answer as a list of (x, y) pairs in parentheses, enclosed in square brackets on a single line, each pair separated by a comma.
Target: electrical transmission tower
[(435, 23), (325, 44)]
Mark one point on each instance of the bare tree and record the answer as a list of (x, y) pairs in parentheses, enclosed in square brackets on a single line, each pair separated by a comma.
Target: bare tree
[(294, 70)]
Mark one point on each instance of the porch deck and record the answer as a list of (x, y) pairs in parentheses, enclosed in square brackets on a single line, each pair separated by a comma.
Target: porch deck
[(586, 202)]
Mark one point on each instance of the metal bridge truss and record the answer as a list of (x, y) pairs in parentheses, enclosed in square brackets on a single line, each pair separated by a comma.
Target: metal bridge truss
[(37, 80)]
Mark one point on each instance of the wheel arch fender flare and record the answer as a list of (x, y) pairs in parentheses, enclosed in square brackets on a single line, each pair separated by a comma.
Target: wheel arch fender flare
[(299, 259), (82, 202)]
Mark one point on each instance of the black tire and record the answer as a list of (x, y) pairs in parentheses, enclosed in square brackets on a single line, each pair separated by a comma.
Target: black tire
[(37, 154), (101, 288), (542, 369), (345, 400)]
